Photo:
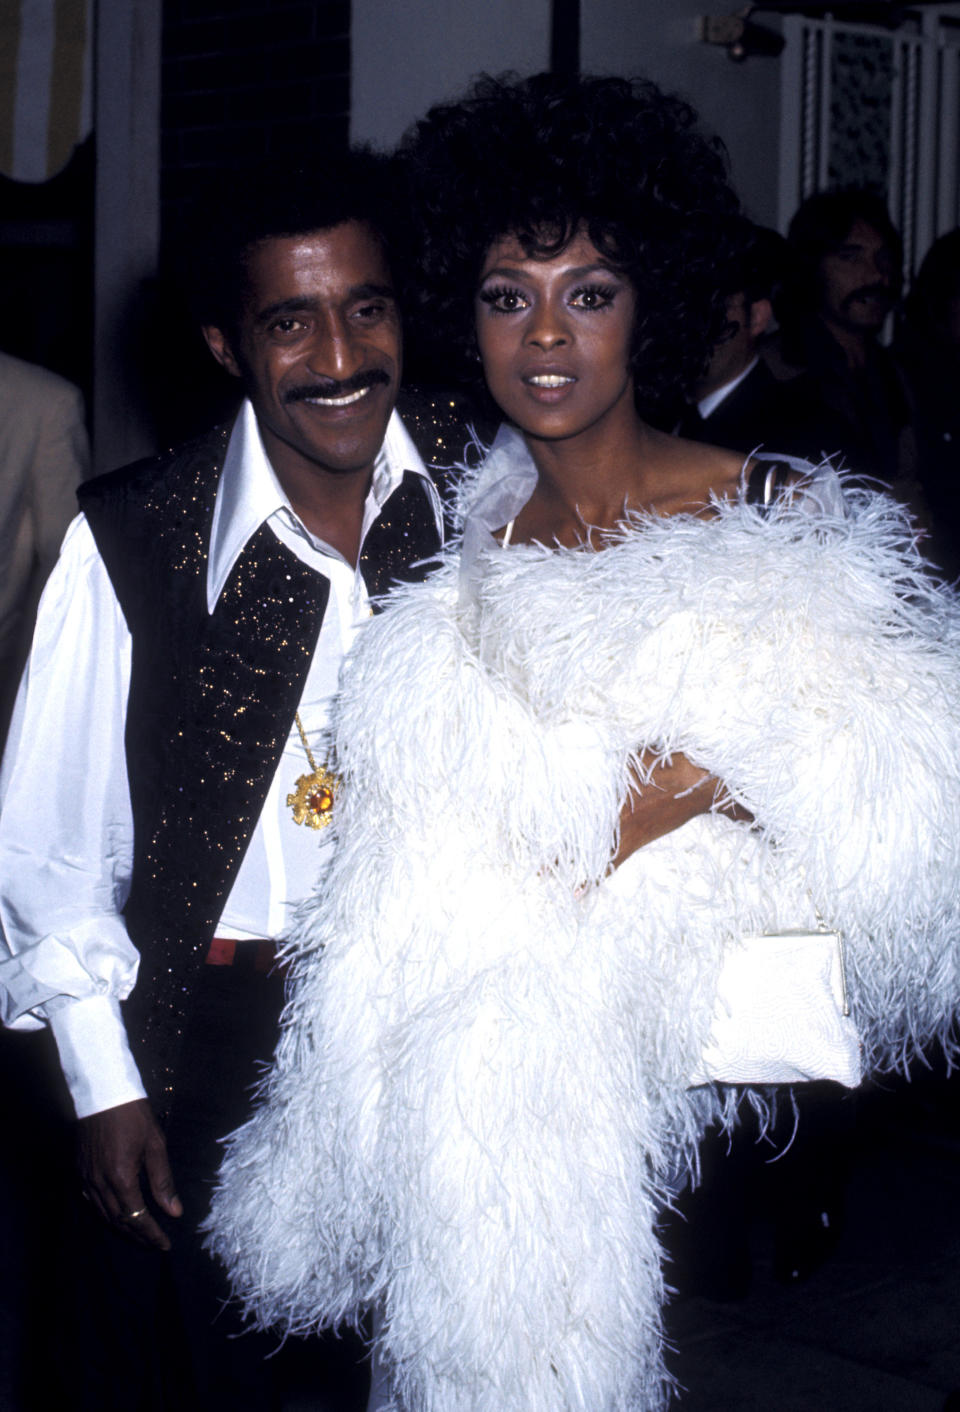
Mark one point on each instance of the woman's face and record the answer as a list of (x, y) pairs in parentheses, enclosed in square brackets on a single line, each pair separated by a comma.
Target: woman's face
[(555, 338)]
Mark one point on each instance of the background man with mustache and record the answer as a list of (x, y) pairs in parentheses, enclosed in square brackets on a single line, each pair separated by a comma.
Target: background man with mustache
[(845, 279), (186, 655)]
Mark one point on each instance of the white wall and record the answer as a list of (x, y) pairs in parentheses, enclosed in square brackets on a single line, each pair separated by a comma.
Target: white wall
[(411, 54), (408, 55), (740, 102)]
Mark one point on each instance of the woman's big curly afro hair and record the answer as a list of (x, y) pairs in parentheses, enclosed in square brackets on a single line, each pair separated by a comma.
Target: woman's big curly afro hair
[(543, 156)]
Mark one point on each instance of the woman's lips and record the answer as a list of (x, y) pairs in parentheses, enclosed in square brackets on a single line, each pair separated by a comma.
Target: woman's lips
[(549, 380), (548, 386)]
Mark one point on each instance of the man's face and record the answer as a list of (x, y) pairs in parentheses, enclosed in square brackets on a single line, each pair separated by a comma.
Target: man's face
[(318, 348), (858, 282)]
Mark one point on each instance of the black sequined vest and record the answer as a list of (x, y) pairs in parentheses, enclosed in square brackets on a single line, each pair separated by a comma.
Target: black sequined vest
[(213, 696)]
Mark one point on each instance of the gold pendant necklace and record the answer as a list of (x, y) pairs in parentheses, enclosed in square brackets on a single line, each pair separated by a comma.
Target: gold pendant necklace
[(313, 799)]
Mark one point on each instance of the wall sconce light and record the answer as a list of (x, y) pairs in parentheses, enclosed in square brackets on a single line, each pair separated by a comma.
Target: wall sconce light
[(740, 36), (743, 38)]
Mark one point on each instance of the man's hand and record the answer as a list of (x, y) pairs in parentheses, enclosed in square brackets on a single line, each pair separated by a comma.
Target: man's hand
[(676, 793), (115, 1146)]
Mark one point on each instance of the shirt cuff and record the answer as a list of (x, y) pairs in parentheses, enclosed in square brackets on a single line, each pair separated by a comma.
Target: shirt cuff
[(95, 1055)]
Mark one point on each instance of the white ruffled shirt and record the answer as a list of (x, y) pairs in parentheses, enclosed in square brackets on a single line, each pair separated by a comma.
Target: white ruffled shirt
[(66, 829)]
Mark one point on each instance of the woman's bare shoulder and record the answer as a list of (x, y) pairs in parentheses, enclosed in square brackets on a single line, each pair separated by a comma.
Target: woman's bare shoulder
[(696, 474)]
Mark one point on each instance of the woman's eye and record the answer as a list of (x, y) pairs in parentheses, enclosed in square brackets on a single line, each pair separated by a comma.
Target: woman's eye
[(502, 300), (592, 296)]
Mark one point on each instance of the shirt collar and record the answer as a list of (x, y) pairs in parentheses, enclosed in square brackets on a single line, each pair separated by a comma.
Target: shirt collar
[(249, 494), (712, 401)]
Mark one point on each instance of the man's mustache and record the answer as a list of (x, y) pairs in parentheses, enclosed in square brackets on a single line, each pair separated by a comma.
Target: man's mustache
[(869, 291), (331, 387)]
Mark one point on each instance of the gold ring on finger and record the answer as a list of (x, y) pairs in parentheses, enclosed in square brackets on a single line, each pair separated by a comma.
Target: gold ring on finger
[(134, 1215)]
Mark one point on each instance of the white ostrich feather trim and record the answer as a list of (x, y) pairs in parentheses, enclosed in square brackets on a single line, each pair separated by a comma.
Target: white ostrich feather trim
[(479, 1093)]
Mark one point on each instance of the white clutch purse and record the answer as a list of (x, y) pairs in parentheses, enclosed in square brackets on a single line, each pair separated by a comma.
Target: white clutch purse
[(781, 1013)]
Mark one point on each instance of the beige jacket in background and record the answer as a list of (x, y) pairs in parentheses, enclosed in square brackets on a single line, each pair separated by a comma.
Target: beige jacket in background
[(44, 454)]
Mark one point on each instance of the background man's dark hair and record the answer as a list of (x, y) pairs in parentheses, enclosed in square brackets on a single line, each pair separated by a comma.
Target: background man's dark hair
[(824, 221), (759, 268)]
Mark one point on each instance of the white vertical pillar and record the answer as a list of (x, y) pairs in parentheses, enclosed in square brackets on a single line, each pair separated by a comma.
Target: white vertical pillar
[(812, 87), (948, 187), (126, 214), (825, 97), (792, 120), (898, 156), (921, 142)]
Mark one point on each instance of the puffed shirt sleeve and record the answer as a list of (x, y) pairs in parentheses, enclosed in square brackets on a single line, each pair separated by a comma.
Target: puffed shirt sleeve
[(66, 833)]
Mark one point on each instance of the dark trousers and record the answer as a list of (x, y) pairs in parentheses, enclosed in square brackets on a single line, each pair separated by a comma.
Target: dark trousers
[(796, 1180), (37, 1186), (154, 1332)]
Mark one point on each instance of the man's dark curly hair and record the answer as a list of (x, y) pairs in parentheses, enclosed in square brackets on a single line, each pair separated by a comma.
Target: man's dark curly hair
[(267, 201), (759, 272), (542, 157)]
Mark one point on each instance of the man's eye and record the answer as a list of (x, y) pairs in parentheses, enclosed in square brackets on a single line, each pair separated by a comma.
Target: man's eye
[(372, 311), (286, 326)]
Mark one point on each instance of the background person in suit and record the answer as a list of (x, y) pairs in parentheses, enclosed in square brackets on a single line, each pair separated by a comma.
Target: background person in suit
[(928, 351), (44, 455), (843, 281), (739, 403)]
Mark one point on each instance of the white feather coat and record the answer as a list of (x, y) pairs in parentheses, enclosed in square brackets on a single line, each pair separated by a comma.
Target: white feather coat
[(480, 1090)]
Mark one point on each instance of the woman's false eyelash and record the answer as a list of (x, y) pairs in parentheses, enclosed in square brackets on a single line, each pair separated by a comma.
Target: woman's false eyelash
[(604, 293), (493, 293)]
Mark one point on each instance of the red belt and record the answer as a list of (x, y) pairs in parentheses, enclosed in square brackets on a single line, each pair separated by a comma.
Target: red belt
[(253, 955)]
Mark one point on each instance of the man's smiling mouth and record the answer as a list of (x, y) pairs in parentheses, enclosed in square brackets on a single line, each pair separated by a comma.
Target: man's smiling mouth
[(337, 401), (331, 392)]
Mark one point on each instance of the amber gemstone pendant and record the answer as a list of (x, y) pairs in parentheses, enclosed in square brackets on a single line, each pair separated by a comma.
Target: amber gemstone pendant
[(313, 799)]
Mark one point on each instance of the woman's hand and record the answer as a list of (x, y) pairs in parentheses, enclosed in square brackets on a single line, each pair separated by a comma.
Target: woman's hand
[(676, 793)]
